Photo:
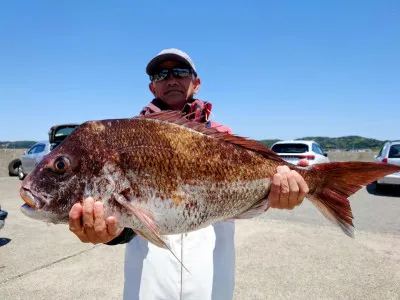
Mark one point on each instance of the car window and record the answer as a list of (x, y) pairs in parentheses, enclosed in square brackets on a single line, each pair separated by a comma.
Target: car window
[(385, 150), (32, 150), (380, 152), (317, 149), (290, 148), (40, 148), (320, 150), (394, 151), (64, 131)]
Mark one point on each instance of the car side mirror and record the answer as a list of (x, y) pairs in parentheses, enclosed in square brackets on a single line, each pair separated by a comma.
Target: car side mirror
[(24, 152), (326, 154)]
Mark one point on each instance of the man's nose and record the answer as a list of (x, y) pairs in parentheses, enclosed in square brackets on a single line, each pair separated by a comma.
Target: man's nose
[(171, 80)]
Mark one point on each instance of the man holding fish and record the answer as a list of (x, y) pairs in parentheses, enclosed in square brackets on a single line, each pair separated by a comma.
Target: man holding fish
[(152, 272), (178, 181)]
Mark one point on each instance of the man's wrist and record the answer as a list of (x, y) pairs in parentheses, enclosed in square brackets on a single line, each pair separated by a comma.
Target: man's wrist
[(124, 237)]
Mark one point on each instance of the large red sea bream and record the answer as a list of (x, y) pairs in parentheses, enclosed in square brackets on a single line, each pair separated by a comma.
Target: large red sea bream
[(162, 174)]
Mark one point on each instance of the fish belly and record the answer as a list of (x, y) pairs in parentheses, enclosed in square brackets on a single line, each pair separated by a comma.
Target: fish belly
[(195, 206)]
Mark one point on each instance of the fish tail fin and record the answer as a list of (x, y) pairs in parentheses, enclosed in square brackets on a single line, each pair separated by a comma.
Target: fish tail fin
[(339, 181)]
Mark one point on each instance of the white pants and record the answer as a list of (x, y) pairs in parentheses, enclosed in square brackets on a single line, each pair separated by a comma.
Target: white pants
[(153, 273)]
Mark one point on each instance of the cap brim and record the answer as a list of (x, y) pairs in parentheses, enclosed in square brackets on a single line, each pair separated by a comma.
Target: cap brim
[(156, 61)]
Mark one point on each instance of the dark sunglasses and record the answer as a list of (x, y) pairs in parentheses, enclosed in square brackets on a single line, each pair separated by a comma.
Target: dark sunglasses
[(164, 74)]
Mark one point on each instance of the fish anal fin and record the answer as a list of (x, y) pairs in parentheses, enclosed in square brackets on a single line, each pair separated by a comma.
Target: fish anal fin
[(256, 210), (179, 118)]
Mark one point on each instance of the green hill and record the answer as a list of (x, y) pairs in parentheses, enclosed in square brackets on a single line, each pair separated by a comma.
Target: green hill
[(17, 145), (344, 143)]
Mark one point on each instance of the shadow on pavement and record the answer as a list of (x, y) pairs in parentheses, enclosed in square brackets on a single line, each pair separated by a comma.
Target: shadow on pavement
[(387, 191)]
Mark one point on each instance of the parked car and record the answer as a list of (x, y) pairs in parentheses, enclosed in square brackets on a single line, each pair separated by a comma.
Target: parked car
[(13, 167), (58, 133), (389, 153), (295, 150), (32, 157), (35, 154)]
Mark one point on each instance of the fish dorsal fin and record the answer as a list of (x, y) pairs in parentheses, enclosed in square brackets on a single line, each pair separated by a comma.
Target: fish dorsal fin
[(179, 118)]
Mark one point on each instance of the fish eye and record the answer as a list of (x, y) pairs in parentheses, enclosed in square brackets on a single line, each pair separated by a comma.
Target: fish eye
[(61, 164)]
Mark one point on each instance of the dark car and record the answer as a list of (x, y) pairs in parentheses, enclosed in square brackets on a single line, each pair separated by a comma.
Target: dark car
[(58, 133), (3, 217)]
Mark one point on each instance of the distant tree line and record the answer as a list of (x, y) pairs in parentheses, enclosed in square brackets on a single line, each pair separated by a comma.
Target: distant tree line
[(342, 143), (17, 145), (327, 143)]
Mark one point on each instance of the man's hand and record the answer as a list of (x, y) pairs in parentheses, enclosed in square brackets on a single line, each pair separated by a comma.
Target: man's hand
[(288, 188), (88, 224)]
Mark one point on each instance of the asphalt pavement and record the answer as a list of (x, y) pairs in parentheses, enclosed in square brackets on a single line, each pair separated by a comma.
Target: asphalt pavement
[(283, 255)]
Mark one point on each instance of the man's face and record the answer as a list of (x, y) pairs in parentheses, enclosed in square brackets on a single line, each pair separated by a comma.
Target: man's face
[(175, 91)]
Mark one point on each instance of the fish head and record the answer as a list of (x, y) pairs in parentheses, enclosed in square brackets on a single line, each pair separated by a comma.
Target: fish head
[(64, 176)]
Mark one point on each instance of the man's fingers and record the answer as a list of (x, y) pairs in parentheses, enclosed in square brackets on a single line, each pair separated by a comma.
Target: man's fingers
[(112, 227), (294, 190), (282, 169), (285, 191), (99, 223), (273, 197), (93, 228), (288, 189), (75, 224), (88, 218), (303, 187), (75, 218)]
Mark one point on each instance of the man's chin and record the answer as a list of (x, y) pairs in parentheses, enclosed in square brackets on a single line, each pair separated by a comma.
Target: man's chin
[(175, 100)]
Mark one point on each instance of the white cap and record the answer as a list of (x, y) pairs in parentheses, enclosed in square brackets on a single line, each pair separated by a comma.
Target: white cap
[(170, 54)]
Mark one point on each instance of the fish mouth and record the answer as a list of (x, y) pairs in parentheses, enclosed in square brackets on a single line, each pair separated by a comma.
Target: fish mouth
[(30, 199), (45, 216)]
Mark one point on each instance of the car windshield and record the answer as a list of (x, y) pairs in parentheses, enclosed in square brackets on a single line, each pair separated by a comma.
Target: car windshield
[(290, 148), (64, 131), (394, 151)]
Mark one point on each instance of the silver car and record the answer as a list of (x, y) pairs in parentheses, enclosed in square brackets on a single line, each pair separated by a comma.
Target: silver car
[(389, 153), (32, 157)]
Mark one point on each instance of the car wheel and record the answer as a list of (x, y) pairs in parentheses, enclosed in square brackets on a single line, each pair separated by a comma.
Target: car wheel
[(21, 174), (13, 167)]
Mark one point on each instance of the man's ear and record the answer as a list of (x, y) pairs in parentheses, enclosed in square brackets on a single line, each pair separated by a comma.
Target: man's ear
[(196, 83), (152, 89)]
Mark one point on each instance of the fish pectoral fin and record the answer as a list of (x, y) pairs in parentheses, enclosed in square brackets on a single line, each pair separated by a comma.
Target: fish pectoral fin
[(145, 216), (147, 219), (256, 210)]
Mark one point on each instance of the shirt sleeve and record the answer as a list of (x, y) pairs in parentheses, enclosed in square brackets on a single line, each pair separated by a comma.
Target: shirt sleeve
[(125, 237)]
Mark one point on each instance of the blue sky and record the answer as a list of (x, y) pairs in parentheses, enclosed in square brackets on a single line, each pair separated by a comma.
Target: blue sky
[(272, 69)]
